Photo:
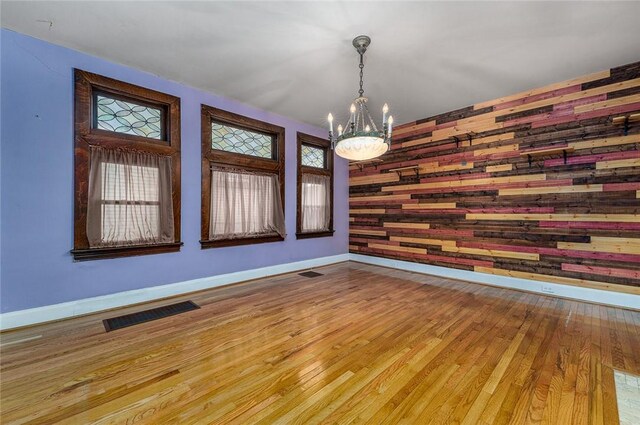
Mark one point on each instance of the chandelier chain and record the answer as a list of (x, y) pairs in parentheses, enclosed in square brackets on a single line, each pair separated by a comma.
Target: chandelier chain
[(361, 91)]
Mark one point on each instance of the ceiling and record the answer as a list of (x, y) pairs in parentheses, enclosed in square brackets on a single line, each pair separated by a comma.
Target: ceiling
[(296, 58)]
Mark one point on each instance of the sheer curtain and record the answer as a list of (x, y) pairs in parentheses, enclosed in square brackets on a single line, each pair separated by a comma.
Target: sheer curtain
[(129, 198), (244, 204), (316, 202)]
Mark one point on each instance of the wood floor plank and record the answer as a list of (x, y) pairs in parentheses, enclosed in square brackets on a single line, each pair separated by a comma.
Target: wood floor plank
[(359, 344)]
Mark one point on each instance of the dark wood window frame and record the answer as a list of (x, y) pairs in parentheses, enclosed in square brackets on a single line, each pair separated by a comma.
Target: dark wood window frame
[(324, 144), (214, 157), (86, 135)]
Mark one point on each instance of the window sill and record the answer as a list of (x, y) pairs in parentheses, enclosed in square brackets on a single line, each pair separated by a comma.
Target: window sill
[(123, 251), (309, 235), (239, 241)]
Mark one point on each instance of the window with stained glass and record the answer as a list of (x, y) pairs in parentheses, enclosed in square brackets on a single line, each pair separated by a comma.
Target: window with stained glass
[(128, 117), (314, 187), (243, 171), (237, 140), (312, 156), (127, 169)]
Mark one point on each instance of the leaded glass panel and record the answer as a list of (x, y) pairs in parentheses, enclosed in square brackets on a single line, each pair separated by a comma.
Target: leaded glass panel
[(231, 139), (312, 156), (127, 117)]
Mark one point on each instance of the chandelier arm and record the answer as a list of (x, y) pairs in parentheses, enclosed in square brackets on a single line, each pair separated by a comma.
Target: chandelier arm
[(367, 114)]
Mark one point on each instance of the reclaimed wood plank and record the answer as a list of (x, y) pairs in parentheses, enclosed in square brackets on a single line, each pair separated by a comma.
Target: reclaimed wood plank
[(498, 168)]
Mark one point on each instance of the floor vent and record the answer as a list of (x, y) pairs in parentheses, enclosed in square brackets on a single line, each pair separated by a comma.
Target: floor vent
[(310, 274), (148, 315)]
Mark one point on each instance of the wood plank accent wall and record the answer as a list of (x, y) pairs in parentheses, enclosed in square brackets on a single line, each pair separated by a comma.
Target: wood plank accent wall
[(494, 193)]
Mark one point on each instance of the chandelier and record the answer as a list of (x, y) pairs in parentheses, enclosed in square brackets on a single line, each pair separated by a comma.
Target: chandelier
[(360, 139)]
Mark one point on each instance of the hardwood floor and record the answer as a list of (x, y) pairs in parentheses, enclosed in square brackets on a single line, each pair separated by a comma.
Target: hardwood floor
[(361, 344)]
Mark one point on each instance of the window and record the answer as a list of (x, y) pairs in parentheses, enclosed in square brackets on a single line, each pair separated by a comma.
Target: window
[(231, 139), (313, 156), (127, 169), (315, 188), (115, 114), (242, 180), (244, 205), (128, 202)]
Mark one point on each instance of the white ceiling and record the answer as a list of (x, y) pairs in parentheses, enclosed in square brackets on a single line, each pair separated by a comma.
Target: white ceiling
[(296, 59)]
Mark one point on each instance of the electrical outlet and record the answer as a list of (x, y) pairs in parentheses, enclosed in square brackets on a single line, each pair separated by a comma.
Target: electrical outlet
[(548, 289)]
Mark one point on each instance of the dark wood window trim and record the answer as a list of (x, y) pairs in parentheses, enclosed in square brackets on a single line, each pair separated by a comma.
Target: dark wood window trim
[(305, 139), (86, 135), (235, 160)]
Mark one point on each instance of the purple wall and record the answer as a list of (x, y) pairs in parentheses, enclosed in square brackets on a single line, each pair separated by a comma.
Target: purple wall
[(37, 186)]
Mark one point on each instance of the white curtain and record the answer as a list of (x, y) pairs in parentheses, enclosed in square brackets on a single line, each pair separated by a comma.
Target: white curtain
[(129, 199), (316, 202), (245, 204)]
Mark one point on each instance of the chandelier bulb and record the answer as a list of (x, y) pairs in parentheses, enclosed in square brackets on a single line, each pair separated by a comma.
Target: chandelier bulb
[(340, 130), (330, 118), (385, 108), (367, 129), (352, 109)]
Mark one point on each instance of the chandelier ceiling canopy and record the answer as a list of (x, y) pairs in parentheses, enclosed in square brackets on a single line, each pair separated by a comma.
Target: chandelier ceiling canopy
[(360, 139)]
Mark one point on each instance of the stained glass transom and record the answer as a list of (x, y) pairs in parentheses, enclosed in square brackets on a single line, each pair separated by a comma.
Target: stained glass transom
[(312, 156), (127, 117), (231, 139)]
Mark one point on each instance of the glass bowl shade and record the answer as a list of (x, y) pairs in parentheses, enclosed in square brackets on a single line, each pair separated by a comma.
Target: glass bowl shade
[(361, 148)]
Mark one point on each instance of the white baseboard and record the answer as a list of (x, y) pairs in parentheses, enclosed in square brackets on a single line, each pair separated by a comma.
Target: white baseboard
[(16, 319), (598, 296)]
